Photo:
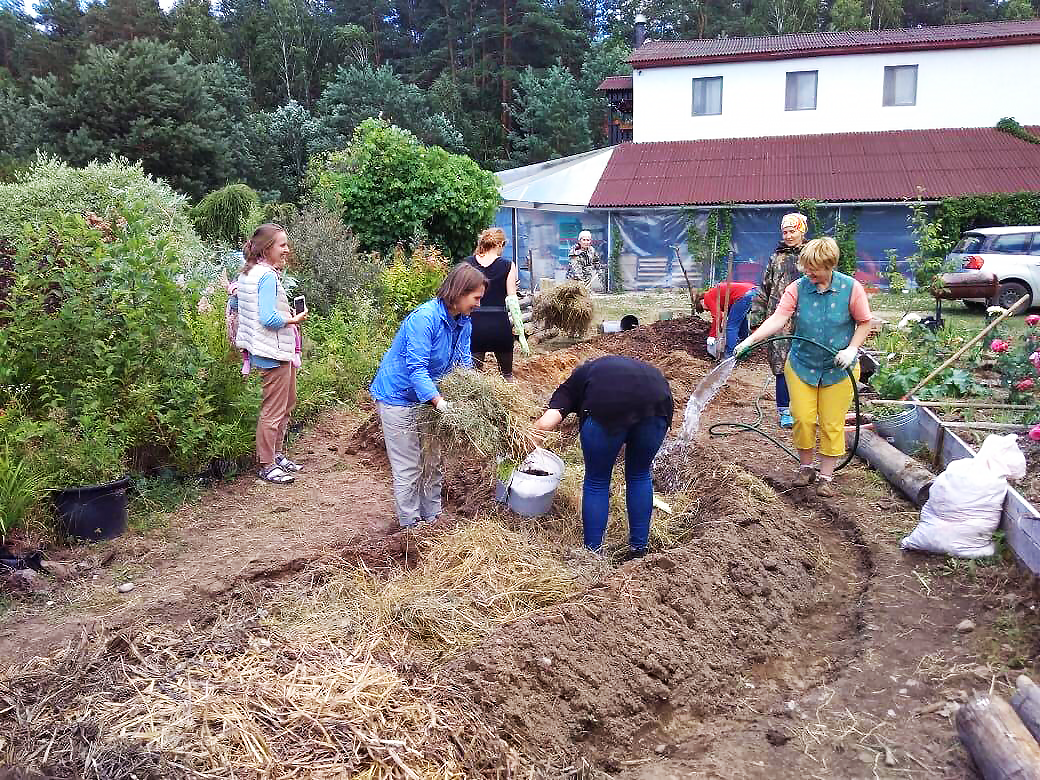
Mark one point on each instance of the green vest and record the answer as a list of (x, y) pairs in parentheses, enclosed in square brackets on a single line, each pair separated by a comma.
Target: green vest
[(823, 317)]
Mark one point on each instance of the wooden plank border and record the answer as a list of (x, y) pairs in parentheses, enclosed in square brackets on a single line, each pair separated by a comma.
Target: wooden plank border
[(1019, 519)]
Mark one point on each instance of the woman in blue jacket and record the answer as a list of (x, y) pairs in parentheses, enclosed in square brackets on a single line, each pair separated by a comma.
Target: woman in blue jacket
[(431, 341)]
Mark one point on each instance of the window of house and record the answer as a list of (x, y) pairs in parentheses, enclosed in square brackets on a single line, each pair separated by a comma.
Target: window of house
[(707, 96), (1010, 244), (900, 86), (801, 91)]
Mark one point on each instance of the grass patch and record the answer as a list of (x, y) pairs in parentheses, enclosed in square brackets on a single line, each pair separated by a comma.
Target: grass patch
[(153, 499)]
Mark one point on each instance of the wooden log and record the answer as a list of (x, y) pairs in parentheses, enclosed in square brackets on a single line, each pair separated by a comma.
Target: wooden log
[(999, 743), (984, 426), (1026, 702), (907, 474), (544, 335)]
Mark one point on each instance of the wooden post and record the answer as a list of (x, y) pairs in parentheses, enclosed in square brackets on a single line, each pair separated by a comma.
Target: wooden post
[(686, 276), (913, 479), (940, 439), (940, 403), (966, 347), (985, 426), (999, 743), (1026, 702)]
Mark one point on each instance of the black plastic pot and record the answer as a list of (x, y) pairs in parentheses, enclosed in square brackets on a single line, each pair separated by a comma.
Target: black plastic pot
[(629, 321), (93, 512)]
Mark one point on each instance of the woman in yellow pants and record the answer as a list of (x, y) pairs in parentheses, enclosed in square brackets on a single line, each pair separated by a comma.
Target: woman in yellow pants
[(831, 309)]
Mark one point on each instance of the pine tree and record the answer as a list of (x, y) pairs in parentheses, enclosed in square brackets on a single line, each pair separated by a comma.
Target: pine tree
[(551, 115)]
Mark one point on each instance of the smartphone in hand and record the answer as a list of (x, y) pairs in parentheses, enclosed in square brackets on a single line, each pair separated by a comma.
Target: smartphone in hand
[(299, 304)]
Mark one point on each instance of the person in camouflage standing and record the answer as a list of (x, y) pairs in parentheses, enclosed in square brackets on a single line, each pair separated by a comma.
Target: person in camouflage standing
[(780, 272), (584, 263)]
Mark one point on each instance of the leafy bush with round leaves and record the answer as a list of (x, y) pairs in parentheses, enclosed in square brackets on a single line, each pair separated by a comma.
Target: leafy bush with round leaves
[(388, 187)]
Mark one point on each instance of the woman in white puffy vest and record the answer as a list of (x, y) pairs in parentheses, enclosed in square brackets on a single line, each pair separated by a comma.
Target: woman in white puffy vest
[(265, 330)]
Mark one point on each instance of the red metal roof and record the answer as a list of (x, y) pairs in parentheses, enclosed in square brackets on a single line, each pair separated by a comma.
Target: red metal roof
[(840, 167), (615, 82), (655, 54)]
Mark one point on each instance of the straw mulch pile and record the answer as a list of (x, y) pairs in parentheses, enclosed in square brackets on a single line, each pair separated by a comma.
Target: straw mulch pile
[(324, 677), (485, 413), (567, 307)]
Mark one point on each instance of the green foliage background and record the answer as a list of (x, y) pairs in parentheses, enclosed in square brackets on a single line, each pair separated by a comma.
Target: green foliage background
[(388, 187)]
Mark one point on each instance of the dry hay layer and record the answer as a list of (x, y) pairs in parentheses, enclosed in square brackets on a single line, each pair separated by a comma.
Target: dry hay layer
[(567, 307), (332, 675), (485, 414)]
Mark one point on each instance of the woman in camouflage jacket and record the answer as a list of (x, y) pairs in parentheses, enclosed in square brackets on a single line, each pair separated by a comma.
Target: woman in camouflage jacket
[(780, 272)]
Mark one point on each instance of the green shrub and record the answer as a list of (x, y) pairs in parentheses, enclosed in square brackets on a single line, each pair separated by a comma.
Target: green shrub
[(411, 279), (896, 280), (329, 267), (21, 490), (388, 187), (224, 214), (49, 186), (909, 355), (341, 354), (111, 353)]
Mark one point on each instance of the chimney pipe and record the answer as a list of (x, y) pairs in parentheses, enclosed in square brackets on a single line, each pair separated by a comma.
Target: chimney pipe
[(639, 32)]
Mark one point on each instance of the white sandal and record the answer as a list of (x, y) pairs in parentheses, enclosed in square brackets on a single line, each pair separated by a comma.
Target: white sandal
[(286, 464), (276, 474)]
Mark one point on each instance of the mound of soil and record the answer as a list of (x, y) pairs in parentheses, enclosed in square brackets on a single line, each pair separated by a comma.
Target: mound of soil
[(367, 442), (669, 633), (648, 342)]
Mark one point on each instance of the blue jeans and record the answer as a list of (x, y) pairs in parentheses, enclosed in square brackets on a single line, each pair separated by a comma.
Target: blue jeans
[(737, 328), (783, 396), (600, 450)]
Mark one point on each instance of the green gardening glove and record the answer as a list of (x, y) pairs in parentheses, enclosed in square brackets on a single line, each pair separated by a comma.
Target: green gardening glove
[(513, 307)]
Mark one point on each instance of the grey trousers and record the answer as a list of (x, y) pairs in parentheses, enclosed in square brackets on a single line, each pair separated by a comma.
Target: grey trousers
[(415, 464)]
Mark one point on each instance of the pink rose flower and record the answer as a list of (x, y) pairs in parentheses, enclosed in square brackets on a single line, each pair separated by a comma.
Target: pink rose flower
[(1023, 384), (1032, 319), (1035, 360), (999, 345), (1034, 432)]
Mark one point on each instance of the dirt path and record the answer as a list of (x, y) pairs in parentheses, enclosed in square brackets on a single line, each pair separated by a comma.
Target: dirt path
[(244, 530)]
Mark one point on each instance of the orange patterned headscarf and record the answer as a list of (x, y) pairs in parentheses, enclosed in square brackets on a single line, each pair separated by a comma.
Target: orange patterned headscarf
[(796, 221)]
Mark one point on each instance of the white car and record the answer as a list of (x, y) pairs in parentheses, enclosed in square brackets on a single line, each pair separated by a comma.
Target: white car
[(1012, 253)]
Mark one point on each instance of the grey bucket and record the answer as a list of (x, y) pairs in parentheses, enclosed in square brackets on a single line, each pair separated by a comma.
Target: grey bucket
[(532, 495), (902, 431), (611, 326)]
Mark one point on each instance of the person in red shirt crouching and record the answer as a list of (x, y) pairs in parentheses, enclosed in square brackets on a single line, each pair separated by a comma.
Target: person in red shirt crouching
[(741, 296)]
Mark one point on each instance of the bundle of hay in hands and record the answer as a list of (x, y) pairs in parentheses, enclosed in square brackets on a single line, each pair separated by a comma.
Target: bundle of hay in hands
[(567, 307), (485, 413)]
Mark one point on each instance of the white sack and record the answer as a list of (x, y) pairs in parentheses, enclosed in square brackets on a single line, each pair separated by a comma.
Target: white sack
[(965, 501)]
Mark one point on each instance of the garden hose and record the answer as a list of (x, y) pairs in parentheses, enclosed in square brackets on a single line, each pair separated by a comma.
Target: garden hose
[(736, 428)]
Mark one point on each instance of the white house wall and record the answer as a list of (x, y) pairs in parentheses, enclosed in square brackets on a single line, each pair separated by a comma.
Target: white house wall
[(955, 88)]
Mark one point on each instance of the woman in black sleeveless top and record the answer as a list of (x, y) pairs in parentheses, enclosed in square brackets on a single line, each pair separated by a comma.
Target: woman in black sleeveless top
[(492, 330)]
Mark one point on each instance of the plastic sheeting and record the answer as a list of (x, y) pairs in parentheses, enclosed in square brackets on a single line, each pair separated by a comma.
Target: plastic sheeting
[(648, 258), (544, 240)]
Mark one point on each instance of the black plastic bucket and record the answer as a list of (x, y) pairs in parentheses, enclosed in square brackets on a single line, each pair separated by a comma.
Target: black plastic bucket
[(93, 512), (629, 321)]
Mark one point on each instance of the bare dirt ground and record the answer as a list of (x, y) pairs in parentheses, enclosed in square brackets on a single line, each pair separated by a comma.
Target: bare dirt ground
[(791, 638), (244, 530)]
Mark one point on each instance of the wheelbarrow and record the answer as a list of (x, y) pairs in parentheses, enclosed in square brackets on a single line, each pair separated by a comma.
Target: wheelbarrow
[(957, 287)]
